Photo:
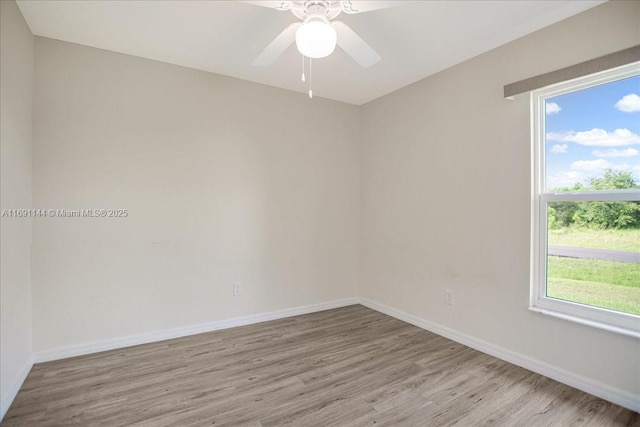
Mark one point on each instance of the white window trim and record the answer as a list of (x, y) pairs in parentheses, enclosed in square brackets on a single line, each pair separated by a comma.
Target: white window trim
[(614, 321)]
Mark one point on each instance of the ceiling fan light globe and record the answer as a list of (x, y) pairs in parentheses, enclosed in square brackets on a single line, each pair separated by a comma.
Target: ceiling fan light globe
[(316, 39)]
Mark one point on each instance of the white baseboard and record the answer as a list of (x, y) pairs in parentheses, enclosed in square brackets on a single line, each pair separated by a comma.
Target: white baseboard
[(115, 343), (7, 400), (619, 397)]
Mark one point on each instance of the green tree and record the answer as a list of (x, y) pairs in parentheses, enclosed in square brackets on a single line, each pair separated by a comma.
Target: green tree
[(552, 219), (598, 214), (613, 180), (608, 215), (563, 213)]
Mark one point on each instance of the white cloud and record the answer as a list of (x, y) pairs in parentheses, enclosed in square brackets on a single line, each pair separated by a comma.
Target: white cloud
[(559, 148), (623, 167), (629, 152), (597, 137), (590, 165), (552, 108), (629, 103), (564, 179)]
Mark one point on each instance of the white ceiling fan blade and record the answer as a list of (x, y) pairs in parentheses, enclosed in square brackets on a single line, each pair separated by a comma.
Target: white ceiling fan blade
[(277, 46), (355, 47), (359, 6)]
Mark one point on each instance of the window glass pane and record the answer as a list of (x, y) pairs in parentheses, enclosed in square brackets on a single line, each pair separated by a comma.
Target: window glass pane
[(591, 134), (593, 254)]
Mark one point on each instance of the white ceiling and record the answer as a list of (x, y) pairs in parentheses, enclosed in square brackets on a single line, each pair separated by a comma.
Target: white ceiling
[(415, 39)]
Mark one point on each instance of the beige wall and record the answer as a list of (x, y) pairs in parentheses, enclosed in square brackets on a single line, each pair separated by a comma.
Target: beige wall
[(224, 181), (446, 200), (16, 95)]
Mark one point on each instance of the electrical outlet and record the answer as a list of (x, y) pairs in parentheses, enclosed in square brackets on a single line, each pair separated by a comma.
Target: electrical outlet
[(237, 289), (448, 296)]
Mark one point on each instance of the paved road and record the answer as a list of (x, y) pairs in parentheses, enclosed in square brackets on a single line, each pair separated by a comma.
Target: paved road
[(604, 254)]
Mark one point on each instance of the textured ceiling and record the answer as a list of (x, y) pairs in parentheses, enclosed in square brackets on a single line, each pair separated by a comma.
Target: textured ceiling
[(415, 38)]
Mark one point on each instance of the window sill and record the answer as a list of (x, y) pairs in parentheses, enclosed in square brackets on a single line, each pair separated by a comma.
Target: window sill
[(587, 322)]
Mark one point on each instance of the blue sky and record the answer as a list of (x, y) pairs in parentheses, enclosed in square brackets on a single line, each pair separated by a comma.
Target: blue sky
[(593, 129)]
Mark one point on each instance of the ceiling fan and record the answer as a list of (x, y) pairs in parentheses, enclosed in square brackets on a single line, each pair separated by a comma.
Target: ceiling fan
[(317, 35)]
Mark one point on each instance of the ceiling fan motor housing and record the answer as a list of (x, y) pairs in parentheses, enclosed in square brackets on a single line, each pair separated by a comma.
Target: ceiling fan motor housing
[(317, 11), (326, 9)]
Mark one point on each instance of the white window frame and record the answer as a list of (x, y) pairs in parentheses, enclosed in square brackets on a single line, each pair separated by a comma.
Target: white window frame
[(615, 321)]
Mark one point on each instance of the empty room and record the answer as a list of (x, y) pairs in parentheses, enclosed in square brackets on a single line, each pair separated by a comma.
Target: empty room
[(320, 213)]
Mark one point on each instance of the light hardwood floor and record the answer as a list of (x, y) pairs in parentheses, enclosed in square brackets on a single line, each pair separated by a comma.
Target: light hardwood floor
[(346, 367)]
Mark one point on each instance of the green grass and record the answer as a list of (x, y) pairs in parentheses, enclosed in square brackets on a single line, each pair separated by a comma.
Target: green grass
[(614, 297), (606, 284), (621, 240), (594, 270)]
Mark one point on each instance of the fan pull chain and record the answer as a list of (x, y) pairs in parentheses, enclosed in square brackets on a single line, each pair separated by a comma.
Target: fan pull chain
[(310, 91), (304, 79)]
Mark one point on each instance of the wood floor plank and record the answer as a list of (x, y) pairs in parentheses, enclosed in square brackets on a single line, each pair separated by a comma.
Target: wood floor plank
[(345, 367)]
